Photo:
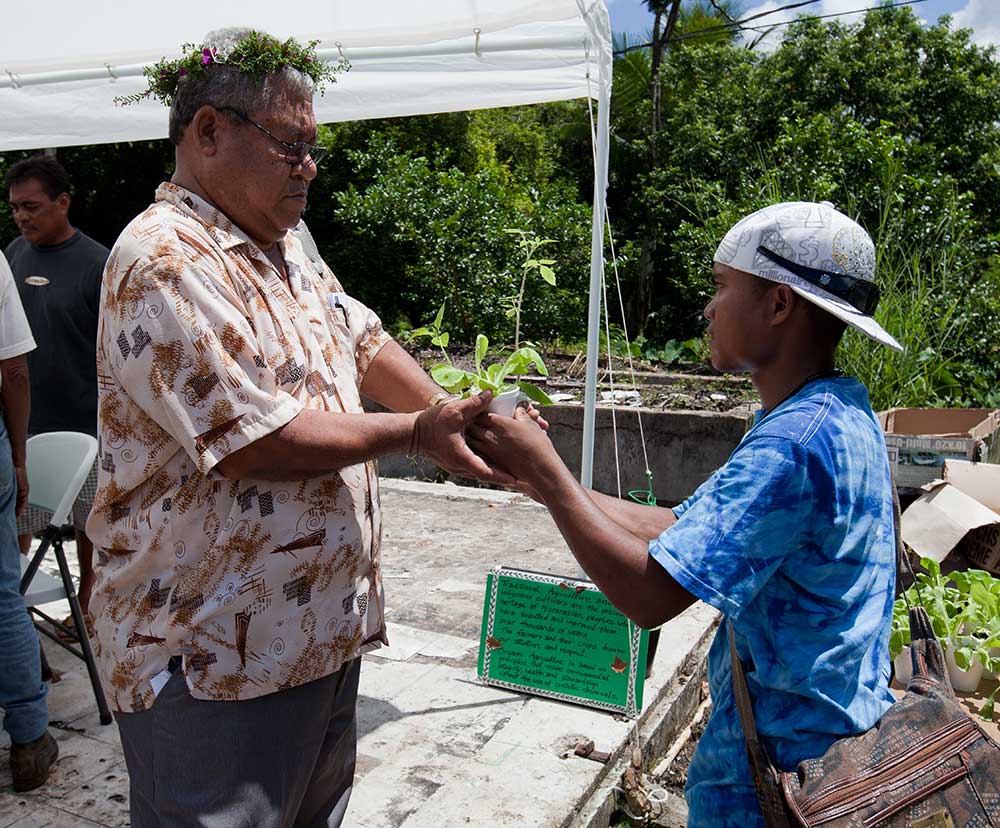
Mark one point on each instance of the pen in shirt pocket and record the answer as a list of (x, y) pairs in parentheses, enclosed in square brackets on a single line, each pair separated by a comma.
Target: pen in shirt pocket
[(336, 304)]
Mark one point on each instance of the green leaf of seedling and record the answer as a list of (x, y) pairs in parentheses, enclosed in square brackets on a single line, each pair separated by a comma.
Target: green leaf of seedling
[(534, 393), (988, 711), (963, 658), (511, 313), (547, 261), (418, 332), (522, 359), (496, 374), (440, 316), (548, 274), (482, 343), (531, 263), (441, 340), (452, 379), (485, 384)]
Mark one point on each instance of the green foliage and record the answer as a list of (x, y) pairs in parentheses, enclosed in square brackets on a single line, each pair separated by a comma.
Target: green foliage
[(434, 231), (495, 377), (438, 337), (895, 123), (676, 351)]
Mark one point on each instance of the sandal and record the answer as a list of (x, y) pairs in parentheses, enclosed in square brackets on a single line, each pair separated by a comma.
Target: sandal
[(66, 630)]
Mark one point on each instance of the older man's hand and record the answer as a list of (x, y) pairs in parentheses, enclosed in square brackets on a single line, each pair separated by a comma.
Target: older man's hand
[(439, 433)]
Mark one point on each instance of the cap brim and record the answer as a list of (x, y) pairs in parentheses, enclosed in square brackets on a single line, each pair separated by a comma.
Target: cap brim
[(849, 314)]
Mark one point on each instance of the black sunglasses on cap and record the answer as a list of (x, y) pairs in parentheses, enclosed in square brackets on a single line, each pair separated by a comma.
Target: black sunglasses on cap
[(861, 295)]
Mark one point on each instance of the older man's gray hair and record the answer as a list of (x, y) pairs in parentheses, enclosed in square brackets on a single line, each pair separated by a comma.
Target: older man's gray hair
[(223, 85)]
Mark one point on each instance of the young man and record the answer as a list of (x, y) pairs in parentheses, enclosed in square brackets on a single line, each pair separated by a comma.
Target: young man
[(792, 539), (58, 272)]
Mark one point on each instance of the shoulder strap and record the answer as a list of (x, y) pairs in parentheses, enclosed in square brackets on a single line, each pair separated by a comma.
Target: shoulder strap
[(765, 776)]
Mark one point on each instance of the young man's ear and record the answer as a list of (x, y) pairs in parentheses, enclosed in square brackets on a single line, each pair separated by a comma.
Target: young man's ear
[(783, 300)]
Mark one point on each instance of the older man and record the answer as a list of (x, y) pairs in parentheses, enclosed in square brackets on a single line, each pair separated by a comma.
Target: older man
[(237, 520)]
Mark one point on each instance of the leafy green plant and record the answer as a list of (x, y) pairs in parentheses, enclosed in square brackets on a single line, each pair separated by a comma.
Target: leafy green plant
[(677, 351), (498, 377), (529, 243), (495, 377), (963, 609), (433, 331)]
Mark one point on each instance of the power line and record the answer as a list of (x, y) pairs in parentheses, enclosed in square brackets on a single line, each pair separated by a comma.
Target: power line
[(738, 25)]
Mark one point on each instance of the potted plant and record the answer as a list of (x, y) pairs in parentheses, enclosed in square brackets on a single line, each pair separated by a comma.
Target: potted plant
[(502, 378), (963, 609)]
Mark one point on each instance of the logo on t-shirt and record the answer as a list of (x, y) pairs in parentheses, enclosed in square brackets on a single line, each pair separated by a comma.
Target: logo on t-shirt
[(36, 281)]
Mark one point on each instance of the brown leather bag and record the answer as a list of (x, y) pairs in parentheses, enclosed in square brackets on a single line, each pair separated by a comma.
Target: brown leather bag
[(925, 764)]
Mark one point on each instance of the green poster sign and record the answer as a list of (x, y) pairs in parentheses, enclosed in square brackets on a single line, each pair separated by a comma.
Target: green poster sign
[(560, 637)]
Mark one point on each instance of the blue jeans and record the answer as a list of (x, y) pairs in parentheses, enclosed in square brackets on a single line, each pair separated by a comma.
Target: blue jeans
[(22, 693)]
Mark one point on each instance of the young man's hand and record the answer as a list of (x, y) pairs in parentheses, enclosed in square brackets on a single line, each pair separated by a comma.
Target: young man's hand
[(439, 434), (519, 445)]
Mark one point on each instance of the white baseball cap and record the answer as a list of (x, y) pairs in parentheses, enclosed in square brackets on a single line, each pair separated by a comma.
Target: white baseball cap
[(821, 254)]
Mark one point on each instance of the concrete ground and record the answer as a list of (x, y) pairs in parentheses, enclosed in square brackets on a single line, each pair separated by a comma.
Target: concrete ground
[(436, 748)]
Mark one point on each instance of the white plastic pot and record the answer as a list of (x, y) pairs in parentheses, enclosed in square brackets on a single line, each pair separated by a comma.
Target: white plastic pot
[(963, 681), (903, 666), (504, 404)]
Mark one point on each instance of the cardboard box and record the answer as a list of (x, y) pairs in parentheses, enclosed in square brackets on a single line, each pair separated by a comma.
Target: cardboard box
[(958, 516), (919, 440)]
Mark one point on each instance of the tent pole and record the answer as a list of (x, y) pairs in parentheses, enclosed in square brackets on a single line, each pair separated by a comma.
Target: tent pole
[(596, 275)]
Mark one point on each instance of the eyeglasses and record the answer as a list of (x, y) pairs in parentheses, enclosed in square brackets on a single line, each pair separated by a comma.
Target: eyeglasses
[(296, 152)]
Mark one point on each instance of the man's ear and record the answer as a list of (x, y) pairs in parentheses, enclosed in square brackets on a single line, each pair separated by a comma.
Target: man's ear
[(63, 202), (205, 128), (783, 301)]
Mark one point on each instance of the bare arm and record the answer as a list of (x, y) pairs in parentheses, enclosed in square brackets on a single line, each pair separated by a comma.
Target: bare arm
[(15, 395), (645, 522), (318, 442), (396, 380), (612, 554), (614, 557)]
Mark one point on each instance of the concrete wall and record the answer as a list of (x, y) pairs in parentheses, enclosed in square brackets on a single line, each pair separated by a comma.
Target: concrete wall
[(684, 448)]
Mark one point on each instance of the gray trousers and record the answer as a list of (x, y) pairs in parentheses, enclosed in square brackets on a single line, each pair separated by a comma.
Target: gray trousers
[(282, 760)]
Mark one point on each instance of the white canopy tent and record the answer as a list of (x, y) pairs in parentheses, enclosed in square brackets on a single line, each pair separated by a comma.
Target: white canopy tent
[(63, 61)]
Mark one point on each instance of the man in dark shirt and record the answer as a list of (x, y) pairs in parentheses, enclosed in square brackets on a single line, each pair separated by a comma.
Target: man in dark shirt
[(58, 272)]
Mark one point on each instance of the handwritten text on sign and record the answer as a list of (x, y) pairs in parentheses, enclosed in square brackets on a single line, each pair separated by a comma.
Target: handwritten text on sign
[(561, 638)]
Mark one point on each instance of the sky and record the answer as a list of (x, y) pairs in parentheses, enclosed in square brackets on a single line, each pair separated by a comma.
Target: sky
[(631, 15)]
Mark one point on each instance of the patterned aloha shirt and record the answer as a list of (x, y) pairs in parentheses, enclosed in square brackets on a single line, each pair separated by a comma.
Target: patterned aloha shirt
[(203, 348)]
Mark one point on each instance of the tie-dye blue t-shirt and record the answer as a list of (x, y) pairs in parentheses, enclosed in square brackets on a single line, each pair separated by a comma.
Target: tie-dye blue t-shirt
[(793, 540)]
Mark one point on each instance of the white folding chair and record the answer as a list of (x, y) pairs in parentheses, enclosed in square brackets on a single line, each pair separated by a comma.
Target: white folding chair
[(58, 465)]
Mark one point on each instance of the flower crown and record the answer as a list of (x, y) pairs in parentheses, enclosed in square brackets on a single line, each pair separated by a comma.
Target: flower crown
[(257, 55)]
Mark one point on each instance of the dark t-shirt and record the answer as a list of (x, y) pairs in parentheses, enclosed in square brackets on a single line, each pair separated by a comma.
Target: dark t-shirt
[(60, 288)]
